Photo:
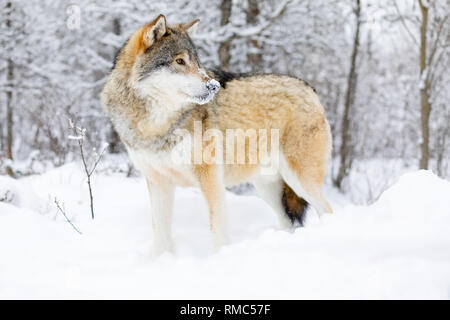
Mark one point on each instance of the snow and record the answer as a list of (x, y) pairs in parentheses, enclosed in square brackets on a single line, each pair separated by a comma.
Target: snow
[(396, 248)]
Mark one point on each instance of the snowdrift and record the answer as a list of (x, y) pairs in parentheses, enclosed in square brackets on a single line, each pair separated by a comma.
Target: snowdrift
[(397, 248)]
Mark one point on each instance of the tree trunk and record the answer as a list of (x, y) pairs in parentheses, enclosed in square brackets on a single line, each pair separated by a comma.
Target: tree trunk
[(254, 58), (9, 111), (113, 136), (9, 98), (224, 47), (425, 106), (345, 151)]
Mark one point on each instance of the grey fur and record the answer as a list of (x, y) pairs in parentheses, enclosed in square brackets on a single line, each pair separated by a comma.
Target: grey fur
[(163, 52)]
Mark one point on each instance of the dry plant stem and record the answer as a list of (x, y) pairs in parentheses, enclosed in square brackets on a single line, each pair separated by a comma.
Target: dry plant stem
[(86, 170), (64, 214)]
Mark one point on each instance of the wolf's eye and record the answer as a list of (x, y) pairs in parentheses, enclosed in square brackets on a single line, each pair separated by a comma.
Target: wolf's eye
[(180, 62)]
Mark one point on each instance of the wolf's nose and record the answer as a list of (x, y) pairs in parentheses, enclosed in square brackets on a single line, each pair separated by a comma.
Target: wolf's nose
[(213, 86)]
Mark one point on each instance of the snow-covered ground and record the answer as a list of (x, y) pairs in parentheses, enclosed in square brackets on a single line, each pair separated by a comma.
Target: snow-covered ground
[(398, 247)]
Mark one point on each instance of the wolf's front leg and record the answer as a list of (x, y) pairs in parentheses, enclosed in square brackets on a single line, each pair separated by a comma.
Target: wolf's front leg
[(161, 192), (213, 189)]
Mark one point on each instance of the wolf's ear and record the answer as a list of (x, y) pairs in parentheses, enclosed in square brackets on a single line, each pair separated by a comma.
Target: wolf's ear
[(154, 31), (191, 27)]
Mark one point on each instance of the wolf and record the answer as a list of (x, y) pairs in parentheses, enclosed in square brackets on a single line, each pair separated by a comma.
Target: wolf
[(158, 86)]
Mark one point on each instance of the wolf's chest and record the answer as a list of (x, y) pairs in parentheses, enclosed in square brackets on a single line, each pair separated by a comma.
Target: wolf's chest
[(166, 162)]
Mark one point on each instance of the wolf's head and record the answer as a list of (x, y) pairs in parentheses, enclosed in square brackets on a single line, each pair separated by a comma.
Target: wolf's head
[(164, 65)]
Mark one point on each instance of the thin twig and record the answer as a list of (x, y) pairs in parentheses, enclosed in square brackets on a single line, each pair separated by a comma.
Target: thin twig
[(98, 159), (405, 26), (88, 172), (64, 214)]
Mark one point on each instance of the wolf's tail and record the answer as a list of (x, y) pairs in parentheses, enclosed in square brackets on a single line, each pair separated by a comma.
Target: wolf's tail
[(294, 206)]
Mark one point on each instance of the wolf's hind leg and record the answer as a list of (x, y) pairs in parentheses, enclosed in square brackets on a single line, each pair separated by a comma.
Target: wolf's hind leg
[(161, 193), (271, 191), (213, 189)]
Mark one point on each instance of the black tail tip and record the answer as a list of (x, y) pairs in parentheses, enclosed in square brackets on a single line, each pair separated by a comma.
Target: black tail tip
[(294, 206)]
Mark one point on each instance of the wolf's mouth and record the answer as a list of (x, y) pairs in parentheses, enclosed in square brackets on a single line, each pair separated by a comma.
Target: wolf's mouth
[(202, 99)]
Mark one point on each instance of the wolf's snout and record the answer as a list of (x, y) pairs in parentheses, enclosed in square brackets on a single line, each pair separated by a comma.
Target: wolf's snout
[(213, 86)]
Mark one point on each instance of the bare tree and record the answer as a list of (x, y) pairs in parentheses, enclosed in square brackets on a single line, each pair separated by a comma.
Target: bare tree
[(432, 24), (9, 96), (345, 151), (224, 47), (254, 57), (425, 105), (113, 136)]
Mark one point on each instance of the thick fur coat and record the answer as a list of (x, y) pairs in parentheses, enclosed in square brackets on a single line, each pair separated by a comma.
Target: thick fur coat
[(158, 88)]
